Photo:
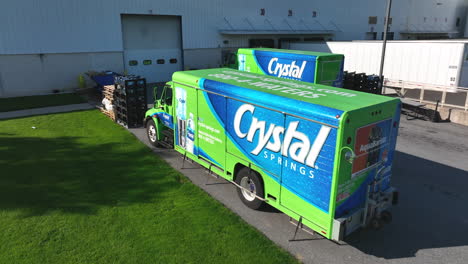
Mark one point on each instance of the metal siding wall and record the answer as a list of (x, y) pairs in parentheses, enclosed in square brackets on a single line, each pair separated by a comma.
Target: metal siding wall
[(55, 26), (58, 27), (202, 58), (35, 74), (146, 32), (435, 13)]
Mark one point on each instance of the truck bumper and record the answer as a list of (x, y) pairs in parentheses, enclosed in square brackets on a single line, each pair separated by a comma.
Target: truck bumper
[(373, 211)]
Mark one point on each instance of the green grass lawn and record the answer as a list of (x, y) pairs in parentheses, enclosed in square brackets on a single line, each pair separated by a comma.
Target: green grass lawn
[(81, 189), (28, 102)]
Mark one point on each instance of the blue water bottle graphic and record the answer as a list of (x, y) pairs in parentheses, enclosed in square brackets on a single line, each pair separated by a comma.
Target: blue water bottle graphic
[(241, 59), (190, 141)]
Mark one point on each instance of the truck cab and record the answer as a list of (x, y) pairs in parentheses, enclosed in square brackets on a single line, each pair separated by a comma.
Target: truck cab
[(159, 119), (230, 61)]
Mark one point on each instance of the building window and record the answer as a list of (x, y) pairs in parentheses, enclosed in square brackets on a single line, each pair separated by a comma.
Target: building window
[(390, 35), (262, 11), (314, 13), (457, 24), (147, 62), (372, 20), (371, 35), (290, 12), (133, 63)]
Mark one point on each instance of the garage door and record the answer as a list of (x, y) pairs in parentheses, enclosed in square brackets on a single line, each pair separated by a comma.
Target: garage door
[(152, 46)]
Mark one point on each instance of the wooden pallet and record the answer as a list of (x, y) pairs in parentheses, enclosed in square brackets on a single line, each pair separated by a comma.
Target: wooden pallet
[(109, 87), (110, 114), (109, 97), (108, 93)]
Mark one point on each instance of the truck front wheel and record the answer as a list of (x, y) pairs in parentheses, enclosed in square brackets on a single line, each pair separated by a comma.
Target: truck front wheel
[(252, 188), (152, 133)]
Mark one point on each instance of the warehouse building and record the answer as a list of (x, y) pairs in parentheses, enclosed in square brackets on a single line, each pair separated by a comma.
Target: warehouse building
[(46, 45)]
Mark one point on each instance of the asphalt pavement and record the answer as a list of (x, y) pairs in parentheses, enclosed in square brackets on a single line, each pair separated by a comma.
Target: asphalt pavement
[(430, 224)]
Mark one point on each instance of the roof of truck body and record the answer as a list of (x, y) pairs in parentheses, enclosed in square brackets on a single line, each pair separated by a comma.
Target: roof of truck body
[(295, 52), (319, 102)]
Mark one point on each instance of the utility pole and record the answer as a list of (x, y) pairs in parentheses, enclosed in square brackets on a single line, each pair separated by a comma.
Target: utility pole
[(384, 44)]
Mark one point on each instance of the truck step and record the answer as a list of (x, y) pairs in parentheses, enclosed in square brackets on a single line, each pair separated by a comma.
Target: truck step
[(168, 136), (166, 144)]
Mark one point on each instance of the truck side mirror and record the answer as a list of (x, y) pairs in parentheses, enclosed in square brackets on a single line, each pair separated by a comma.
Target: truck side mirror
[(155, 93)]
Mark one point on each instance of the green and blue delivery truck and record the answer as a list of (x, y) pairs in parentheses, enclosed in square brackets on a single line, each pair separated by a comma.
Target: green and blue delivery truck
[(320, 154), (307, 66)]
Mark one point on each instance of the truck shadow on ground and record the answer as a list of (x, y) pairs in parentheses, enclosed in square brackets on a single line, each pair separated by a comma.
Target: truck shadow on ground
[(38, 175), (432, 212)]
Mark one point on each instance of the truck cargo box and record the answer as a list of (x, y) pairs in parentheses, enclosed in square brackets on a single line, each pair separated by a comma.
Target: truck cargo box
[(314, 67)]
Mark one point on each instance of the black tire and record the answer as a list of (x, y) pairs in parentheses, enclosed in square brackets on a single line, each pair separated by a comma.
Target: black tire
[(386, 217), (152, 134), (376, 223), (250, 180)]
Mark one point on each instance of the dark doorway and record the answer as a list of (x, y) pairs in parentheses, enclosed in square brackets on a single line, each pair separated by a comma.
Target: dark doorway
[(315, 39), (261, 43), (283, 43)]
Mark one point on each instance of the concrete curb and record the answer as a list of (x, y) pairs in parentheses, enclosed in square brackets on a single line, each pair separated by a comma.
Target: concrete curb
[(454, 115), (46, 110)]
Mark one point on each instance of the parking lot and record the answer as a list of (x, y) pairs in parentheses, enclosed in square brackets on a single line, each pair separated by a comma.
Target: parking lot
[(430, 224)]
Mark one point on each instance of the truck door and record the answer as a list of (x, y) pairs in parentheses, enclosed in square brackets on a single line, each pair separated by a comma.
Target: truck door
[(165, 104), (185, 118), (307, 171), (211, 135)]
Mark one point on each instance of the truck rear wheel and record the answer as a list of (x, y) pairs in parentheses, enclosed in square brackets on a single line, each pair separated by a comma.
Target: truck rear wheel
[(376, 223), (252, 188), (386, 216), (152, 133)]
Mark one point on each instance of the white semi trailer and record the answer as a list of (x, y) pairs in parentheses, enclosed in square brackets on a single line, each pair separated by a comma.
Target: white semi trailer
[(436, 63)]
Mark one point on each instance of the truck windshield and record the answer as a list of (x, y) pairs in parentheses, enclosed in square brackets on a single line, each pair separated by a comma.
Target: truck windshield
[(232, 59)]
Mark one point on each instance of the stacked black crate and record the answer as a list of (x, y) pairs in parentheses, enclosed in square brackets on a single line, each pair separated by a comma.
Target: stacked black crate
[(362, 82), (130, 100), (348, 82), (373, 84)]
